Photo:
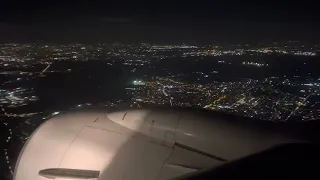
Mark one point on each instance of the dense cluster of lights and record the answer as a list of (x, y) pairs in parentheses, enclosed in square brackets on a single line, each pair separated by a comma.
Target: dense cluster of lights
[(21, 54), (16, 97), (240, 52), (254, 64), (138, 83), (245, 98)]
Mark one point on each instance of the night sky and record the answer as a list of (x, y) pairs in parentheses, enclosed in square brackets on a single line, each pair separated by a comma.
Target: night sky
[(158, 21)]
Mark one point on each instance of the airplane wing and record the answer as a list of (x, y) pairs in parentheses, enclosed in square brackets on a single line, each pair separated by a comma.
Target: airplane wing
[(141, 144)]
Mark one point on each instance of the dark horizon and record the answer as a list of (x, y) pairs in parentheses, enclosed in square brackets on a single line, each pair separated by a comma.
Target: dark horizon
[(157, 22), (133, 32)]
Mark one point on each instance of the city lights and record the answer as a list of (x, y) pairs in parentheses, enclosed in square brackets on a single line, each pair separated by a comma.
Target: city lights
[(43, 80)]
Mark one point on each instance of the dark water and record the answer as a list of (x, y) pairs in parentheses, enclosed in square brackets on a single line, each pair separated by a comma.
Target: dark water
[(92, 82), (278, 66)]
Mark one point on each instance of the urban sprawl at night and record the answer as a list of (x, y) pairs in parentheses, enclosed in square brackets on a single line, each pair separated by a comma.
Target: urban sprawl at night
[(41, 80)]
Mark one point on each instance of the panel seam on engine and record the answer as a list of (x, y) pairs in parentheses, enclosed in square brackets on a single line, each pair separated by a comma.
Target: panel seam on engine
[(70, 145), (200, 152)]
